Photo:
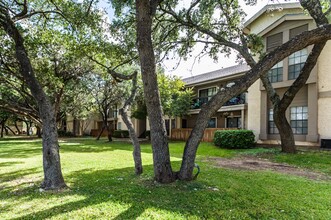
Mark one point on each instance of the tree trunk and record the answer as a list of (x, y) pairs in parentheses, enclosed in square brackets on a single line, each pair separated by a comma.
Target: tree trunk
[(18, 130), (135, 142), (109, 133), (38, 131), (285, 131), (161, 158), (9, 129), (74, 127), (100, 133), (2, 128), (27, 128), (53, 178), (192, 144)]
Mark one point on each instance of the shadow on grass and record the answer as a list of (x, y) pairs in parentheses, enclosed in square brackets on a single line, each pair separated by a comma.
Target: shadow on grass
[(7, 164), (79, 145), (18, 174), (16, 148), (121, 186)]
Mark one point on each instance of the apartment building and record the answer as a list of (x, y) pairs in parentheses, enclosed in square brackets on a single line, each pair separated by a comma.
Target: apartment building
[(309, 113)]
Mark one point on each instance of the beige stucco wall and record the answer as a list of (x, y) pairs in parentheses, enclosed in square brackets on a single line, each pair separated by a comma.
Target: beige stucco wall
[(324, 92), (324, 117), (254, 109), (324, 69), (267, 19), (85, 125)]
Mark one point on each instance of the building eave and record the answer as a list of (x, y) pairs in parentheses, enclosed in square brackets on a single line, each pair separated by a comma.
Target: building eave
[(268, 7)]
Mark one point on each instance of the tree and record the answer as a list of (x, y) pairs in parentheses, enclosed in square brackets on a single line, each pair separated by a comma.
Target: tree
[(17, 20), (175, 98), (135, 142), (4, 116), (227, 36), (107, 95), (145, 10)]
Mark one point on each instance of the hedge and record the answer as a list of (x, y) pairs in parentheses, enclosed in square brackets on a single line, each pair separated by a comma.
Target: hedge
[(63, 133), (234, 139), (121, 134)]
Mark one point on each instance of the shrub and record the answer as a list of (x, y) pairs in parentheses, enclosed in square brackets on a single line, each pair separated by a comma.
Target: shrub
[(63, 133), (121, 134), (234, 139)]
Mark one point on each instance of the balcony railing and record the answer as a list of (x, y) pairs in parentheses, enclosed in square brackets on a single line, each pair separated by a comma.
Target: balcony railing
[(198, 102)]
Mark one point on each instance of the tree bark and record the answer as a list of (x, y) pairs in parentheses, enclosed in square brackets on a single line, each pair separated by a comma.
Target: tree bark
[(53, 178), (135, 142), (9, 129), (161, 158), (100, 133), (285, 130), (38, 131), (18, 130), (109, 133), (2, 128), (27, 128)]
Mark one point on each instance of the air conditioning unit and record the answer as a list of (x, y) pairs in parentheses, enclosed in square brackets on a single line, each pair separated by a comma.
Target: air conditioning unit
[(326, 143)]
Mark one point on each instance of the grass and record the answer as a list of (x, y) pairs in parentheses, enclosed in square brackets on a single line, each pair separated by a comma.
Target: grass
[(103, 186)]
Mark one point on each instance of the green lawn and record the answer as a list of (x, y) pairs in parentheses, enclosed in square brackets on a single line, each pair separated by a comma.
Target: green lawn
[(103, 185)]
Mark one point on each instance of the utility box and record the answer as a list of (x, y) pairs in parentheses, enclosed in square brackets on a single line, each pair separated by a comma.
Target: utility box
[(326, 143)]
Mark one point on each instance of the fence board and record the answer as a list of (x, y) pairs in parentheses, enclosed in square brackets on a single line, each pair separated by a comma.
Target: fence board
[(182, 134)]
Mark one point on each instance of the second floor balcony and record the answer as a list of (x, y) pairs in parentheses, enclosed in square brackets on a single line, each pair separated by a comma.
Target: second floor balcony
[(238, 100)]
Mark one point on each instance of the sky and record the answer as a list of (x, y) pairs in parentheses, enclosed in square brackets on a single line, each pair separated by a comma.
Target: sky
[(193, 67)]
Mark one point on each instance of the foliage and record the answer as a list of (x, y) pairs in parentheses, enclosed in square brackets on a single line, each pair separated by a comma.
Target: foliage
[(234, 139), (121, 134), (63, 133), (103, 186), (175, 98)]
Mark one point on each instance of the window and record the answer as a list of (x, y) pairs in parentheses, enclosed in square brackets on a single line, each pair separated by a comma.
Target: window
[(295, 63), (207, 92), (298, 30), (234, 122), (119, 125), (271, 124), (204, 96), (212, 123), (276, 73), (299, 119), (274, 41), (297, 60)]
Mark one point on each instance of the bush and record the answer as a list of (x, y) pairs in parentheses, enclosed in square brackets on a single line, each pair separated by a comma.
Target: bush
[(234, 139), (121, 134), (63, 133)]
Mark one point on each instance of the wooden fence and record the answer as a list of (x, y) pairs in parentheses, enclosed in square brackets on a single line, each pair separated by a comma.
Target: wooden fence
[(95, 133), (184, 133)]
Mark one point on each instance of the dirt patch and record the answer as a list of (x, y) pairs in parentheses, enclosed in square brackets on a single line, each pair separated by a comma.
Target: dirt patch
[(253, 163)]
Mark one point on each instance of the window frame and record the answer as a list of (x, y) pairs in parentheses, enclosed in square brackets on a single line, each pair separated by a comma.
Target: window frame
[(276, 72), (272, 128), (299, 118), (213, 118), (296, 61)]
